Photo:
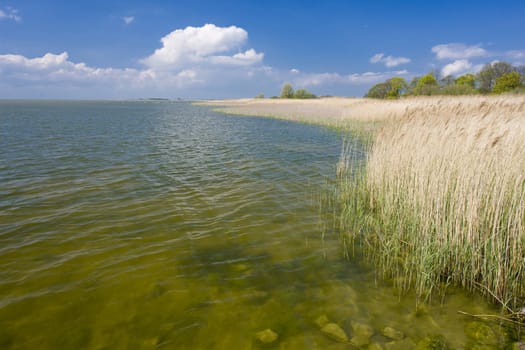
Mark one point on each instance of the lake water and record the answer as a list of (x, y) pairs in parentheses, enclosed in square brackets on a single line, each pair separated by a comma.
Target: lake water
[(163, 225)]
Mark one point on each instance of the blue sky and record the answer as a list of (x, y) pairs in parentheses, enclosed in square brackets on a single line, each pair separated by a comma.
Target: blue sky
[(219, 49)]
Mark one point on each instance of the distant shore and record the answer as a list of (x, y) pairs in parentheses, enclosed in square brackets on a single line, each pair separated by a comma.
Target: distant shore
[(344, 112)]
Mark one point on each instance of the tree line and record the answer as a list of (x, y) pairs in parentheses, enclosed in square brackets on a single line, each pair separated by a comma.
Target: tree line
[(495, 78), (287, 91)]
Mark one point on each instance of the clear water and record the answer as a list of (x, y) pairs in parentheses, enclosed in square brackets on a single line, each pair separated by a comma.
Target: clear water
[(163, 225)]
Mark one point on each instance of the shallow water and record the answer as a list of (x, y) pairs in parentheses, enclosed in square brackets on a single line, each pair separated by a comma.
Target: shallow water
[(162, 225)]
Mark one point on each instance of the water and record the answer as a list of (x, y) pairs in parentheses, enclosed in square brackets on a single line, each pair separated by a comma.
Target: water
[(162, 225)]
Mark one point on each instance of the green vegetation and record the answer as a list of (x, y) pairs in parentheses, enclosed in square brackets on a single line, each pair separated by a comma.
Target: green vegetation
[(391, 89), (495, 78), (261, 95), (303, 94), (426, 85), (507, 82), (490, 72), (287, 91), (441, 201)]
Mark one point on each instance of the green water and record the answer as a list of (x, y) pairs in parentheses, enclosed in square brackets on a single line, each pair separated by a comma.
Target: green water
[(162, 225)]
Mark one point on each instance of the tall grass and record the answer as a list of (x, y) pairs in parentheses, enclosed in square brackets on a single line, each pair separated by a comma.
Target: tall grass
[(441, 199)]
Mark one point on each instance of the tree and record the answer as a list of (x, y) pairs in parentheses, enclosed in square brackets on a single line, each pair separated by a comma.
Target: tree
[(398, 86), (412, 86), (392, 88), (467, 79), (378, 91), (303, 94), (427, 85), (287, 91), (490, 72), (447, 81), (507, 82), (464, 85)]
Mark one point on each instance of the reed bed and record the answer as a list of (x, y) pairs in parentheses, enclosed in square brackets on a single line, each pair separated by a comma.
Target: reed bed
[(441, 199)]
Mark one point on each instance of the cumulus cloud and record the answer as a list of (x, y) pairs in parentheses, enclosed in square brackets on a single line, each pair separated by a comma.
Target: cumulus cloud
[(201, 46), (207, 61), (456, 67), (47, 61), (247, 58), (10, 13), (206, 56), (128, 19), (52, 69), (460, 67), (389, 61), (458, 51)]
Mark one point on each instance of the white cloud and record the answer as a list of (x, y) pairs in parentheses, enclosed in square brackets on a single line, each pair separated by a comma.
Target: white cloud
[(128, 19), (53, 69), (516, 54), (10, 13), (40, 63), (308, 80), (207, 56), (376, 58), (389, 61), (56, 75), (202, 45), (460, 67), (456, 67), (458, 51), (247, 58)]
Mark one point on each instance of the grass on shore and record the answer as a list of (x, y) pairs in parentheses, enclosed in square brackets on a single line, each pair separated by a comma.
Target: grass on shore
[(441, 199)]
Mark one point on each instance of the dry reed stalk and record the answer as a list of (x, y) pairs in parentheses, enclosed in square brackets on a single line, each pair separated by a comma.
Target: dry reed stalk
[(447, 184)]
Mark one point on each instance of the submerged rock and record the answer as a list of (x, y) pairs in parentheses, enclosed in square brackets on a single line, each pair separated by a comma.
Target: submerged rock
[(435, 342), (405, 344), (392, 333), (335, 332), (374, 346), (267, 336), (322, 321), (362, 333), (482, 336)]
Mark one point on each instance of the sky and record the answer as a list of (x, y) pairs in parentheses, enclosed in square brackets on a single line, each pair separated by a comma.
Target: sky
[(232, 49)]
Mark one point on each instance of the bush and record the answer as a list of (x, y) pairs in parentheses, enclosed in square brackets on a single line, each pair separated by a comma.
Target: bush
[(427, 85), (303, 94), (392, 88), (458, 89), (467, 79), (287, 91), (378, 91), (490, 73), (507, 82)]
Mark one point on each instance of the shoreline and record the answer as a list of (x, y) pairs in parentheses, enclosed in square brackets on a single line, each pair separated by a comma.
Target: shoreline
[(345, 112), (441, 194)]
